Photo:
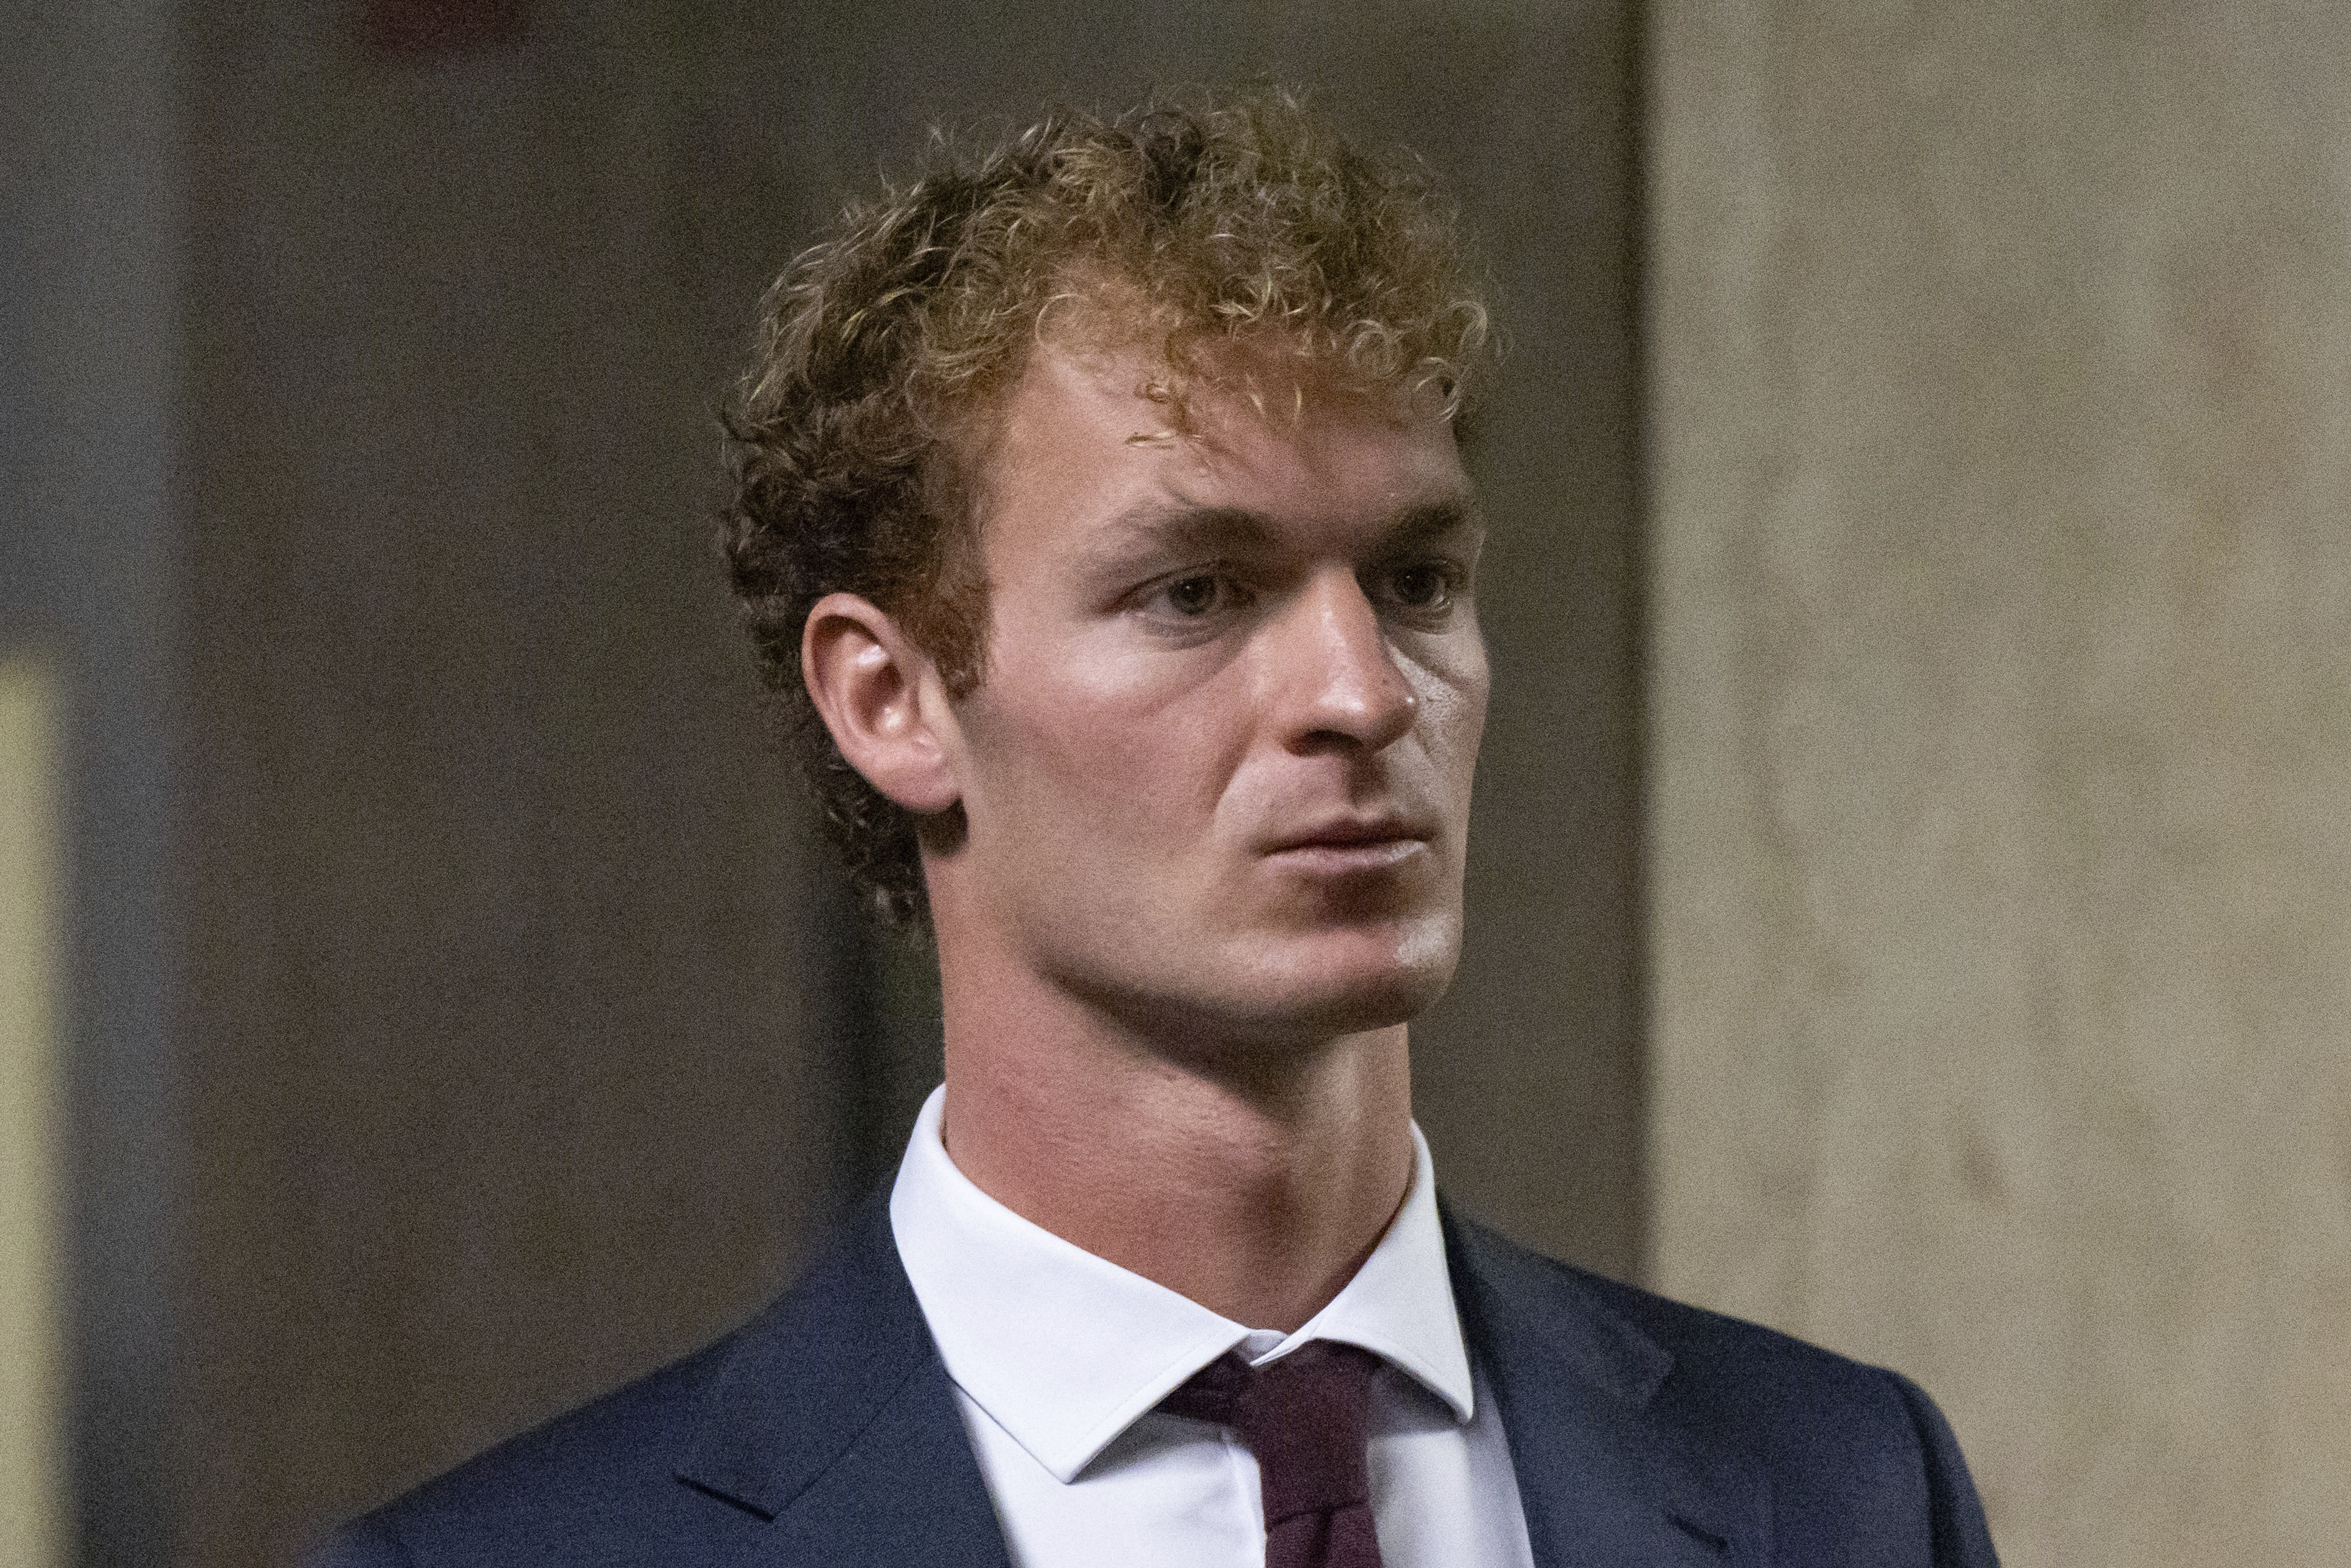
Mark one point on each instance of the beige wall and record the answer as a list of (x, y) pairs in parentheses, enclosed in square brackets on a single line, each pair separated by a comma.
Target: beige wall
[(32, 1447), (2001, 715)]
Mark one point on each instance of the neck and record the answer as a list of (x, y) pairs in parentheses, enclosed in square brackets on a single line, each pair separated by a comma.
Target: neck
[(1254, 1183)]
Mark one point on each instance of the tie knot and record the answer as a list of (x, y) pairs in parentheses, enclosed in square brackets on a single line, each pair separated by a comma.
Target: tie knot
[(1305, 1416)]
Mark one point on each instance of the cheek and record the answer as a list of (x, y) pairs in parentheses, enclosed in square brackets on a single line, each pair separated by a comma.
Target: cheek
[(1453, 713), (1107, 750)]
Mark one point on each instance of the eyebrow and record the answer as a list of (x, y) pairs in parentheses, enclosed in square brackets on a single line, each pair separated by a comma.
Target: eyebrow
[(1215, 530), (1433, 521)]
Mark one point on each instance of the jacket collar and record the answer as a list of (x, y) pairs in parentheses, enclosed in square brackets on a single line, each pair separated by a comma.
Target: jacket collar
[(832, 1416), (1065, 1351), (1604, 1476)]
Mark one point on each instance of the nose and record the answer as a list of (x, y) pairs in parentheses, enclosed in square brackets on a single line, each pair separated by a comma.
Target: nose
[(1337, 671)]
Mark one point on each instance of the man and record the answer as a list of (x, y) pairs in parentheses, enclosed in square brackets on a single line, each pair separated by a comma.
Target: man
[(1100, 520)]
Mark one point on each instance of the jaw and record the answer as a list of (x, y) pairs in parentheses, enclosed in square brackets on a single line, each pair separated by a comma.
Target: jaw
[(1199, 961), (1281, 997)]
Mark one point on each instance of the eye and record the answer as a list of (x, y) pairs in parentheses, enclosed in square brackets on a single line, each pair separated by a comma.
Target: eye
[(1425, 588), (1194, 596)]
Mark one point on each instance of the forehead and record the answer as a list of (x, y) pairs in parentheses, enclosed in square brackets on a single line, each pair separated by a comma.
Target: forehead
[(1091, 440)]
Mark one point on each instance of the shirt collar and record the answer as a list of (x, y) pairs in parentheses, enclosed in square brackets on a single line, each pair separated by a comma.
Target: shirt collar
[(1065, 1349)]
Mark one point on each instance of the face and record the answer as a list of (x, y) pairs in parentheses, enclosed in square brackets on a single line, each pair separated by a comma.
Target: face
[(1215, 778)]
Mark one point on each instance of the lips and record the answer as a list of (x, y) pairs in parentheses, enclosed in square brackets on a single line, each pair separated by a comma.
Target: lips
[(1340, 835), (1354, 844)]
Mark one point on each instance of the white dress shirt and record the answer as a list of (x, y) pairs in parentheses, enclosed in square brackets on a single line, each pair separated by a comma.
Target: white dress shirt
[(1059, 1358)]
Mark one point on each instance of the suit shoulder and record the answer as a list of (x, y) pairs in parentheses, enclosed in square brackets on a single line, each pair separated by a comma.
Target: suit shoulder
[(1695, 1353), (588, 1486), (1717, 1355), (1865, 1463), (1862, 1466)]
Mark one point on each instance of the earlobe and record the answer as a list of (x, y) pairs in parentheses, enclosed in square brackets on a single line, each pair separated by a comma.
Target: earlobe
[(881, 700)]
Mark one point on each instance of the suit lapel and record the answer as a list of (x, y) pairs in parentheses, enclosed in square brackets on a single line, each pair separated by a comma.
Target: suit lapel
[(833, 1418), (1603, 1477)]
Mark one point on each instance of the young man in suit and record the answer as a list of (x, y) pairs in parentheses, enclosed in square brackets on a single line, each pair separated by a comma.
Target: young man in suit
[(1100, 516)]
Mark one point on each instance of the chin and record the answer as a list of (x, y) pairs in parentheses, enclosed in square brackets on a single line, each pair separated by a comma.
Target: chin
[(1351, 981), (1284, 988)]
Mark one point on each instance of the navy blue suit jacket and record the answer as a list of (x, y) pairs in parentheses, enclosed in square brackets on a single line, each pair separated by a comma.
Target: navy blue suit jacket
[(825, 1433)]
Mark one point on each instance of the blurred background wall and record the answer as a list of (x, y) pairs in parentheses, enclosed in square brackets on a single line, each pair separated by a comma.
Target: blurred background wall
[(2000, 780), (90, 519), (458, 1016), (1907, 903)]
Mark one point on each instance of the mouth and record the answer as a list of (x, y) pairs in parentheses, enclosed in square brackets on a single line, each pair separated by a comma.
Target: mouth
[(1353, 846)]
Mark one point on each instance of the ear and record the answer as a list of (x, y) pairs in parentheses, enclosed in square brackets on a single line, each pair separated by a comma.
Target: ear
[(882, 699)]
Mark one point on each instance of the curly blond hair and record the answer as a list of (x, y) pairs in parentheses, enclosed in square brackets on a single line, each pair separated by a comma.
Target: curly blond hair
[(1191, 225)]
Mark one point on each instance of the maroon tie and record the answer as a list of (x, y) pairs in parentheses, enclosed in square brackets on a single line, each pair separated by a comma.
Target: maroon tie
[(1305, 1418)]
